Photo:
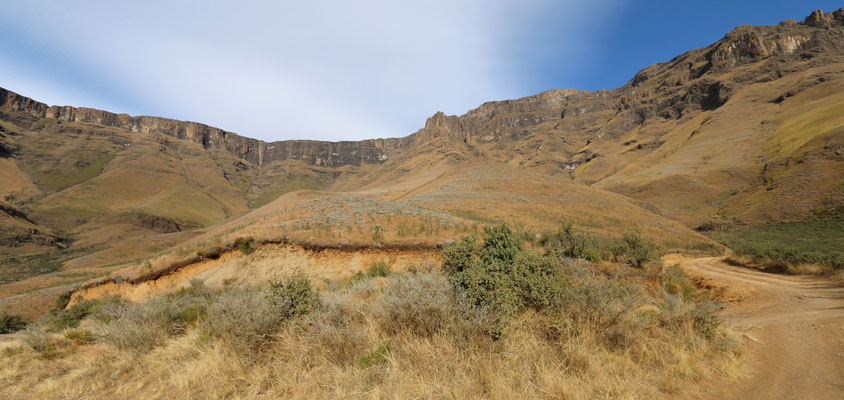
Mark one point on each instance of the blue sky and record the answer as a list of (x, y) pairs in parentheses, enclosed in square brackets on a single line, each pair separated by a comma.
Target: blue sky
[(339, 70)]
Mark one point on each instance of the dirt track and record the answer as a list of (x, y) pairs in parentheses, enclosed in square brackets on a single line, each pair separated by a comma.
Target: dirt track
[(797, 324)]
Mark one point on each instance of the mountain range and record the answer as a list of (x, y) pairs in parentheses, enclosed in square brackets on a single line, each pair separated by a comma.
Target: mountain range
[(746, 131)]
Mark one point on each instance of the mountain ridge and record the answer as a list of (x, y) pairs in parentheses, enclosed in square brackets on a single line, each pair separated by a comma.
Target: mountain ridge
[(744, 131)]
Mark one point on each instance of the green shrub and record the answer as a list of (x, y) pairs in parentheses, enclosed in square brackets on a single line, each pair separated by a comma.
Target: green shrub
[(460, 255), (499, 275), (293, 296), (500, 244), (675, 282), (592, 254), (375, 357), (539, 281), (565, 242), (63, 300), (80, 336), (247, 245), (675, 313), (379, 268), (58, 320), (705, 319), (634, 250), (11, 323)]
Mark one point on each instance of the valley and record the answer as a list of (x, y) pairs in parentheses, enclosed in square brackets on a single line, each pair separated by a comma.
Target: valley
[(726, 161)]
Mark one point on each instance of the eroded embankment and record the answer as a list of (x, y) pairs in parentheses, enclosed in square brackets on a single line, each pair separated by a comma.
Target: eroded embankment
[(269, 261)]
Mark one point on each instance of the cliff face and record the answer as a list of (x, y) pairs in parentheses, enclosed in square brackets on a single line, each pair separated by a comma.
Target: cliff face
[(671, 89), (332, 154)]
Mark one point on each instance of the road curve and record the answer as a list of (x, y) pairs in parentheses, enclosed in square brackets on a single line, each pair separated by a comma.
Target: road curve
[(797, 323)]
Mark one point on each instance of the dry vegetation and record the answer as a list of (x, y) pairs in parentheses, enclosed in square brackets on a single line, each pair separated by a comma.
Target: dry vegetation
[(498, 321)]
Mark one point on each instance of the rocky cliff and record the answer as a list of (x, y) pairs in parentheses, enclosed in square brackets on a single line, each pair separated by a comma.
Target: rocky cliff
[(667, 90)]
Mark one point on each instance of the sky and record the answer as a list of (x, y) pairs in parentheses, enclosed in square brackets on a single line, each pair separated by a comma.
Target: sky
[(343, 70)]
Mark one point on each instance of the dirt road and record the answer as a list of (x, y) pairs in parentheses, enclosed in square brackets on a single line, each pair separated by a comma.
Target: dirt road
[(798, 324)]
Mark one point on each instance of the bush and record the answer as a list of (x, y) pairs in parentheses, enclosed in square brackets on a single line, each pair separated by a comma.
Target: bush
[(592, 255), (142, 326), (244, 316), (540, 281), (40, 341), (247, 245), (379, 268), (11, 323), (565, 242), (422, 304), (705, 319), (58, 320), (602, 303), (294, 296), (460, 255), (63, 300), (702, 316), (634, 250), (336, 326), (80, 336), (501, 276), (675, 282)]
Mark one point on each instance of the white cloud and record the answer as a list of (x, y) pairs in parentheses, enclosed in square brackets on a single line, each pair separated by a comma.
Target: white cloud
[(331, 70)]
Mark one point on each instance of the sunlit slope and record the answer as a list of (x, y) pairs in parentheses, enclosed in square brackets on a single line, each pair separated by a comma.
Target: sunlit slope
[(772, 152)]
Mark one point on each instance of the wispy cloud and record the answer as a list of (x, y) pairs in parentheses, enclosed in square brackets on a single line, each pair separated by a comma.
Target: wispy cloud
[(320, 69)]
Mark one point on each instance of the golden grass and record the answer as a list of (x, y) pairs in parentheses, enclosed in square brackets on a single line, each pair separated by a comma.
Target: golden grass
[(366, 359), (524, 365)]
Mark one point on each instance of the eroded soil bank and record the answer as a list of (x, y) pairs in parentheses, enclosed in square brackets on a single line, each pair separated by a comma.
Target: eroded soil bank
[(266, 263)]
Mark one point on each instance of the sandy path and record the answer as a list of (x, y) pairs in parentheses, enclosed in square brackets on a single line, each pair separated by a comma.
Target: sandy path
[(799, 324)]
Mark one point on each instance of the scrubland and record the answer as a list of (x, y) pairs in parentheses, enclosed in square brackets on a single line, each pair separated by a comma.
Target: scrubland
[(496, 320)]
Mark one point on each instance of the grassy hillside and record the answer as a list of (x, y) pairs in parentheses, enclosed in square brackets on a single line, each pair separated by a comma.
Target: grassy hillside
[(779, 246)]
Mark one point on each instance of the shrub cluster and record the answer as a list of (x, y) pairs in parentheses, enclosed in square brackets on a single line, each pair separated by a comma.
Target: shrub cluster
[(498, 274), (378, 268), (248, 317), (634, 250), (685, 303), (247, 244), (568, 243), (11, 323)]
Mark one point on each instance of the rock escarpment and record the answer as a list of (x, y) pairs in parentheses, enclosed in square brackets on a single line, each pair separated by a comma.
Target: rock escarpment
[(670, 90), (666, 90)]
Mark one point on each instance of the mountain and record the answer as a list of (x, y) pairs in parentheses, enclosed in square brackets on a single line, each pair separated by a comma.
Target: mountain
[(745, 131)]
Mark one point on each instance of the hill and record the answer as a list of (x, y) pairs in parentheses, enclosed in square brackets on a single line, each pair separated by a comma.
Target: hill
[(745, 131)]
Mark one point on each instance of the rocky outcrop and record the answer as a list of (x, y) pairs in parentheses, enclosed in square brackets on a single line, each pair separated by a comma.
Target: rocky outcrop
[(818, 19), (667, 90), (332, 154)]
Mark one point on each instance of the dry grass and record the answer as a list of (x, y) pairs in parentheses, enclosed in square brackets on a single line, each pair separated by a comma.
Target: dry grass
[(404, 336)]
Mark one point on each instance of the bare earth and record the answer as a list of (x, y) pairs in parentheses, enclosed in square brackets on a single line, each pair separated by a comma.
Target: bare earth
[(796, 324)]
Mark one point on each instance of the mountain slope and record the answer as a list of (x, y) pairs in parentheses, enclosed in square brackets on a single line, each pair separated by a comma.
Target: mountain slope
[(746, 130)]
